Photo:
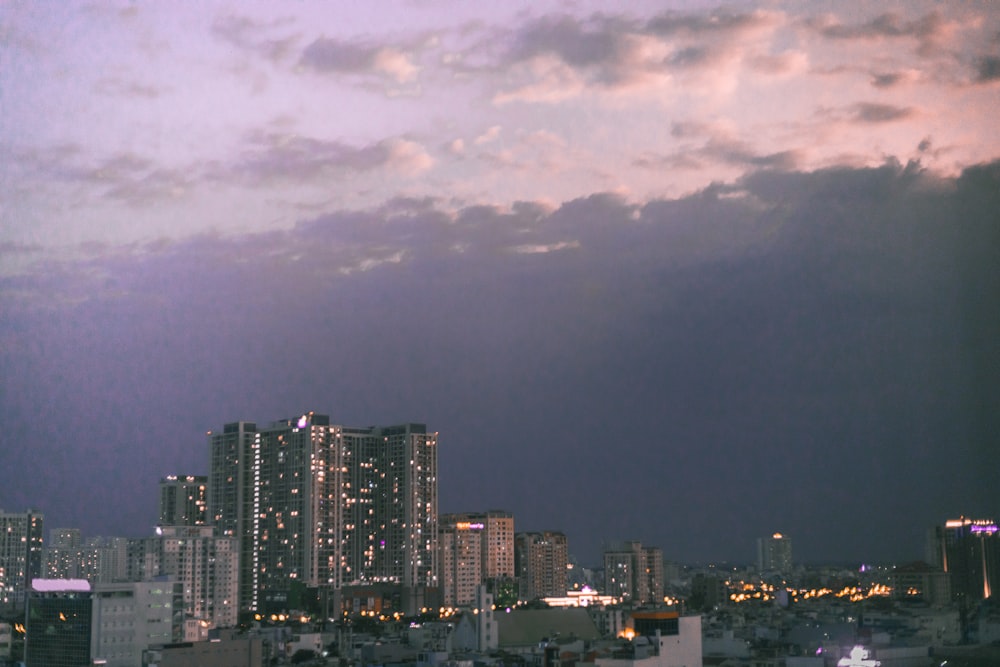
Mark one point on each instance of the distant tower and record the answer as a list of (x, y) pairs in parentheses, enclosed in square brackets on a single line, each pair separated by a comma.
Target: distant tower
[(774, 554), (634, 573), (184, 500), (540, 560)]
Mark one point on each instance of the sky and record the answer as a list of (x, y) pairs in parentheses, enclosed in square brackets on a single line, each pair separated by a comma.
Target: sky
[(680, 272)]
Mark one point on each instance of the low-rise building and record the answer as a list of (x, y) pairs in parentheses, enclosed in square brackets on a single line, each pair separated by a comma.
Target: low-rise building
[(225, 648), (71, 623)]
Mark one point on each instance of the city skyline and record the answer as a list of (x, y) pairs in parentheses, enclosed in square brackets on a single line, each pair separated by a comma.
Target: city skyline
[(687, 274)]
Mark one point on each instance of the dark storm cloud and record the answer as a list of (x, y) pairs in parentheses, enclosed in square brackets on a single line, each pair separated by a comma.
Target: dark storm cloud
[(821, 343)]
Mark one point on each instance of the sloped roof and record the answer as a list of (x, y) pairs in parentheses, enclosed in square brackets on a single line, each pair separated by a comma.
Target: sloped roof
[(527, 627)]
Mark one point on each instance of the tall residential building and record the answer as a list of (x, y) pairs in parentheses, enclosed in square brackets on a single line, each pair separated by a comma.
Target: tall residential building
[(498, 543), (540, 560), (326, 505), (184, 500), (21, 553), (476, 548), (633, 572), (461, 544), (203, 563), (969, 551), (234, 499), (774, 553)]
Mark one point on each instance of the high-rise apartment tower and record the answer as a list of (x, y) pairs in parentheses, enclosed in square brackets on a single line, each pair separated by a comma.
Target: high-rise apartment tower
[(540, 561), (326, 505)]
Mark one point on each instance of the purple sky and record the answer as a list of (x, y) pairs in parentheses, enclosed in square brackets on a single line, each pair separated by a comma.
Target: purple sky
[(683, 272)]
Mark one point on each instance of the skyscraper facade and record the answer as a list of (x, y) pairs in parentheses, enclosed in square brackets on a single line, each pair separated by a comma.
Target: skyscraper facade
[(540, 561), (326, 505), (21, 553), (184, 500)]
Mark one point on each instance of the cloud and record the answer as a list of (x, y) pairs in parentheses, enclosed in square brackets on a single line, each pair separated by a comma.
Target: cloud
[(126, 177), (886, 80), (929, 31), (780, 64), (542, 248), (328, 55), (557, 57), (870, 112), (11, 248), (988, 69), (600, 41), (488, 136), (272, 157), (253, 37), (720, 146), (716, 23)]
